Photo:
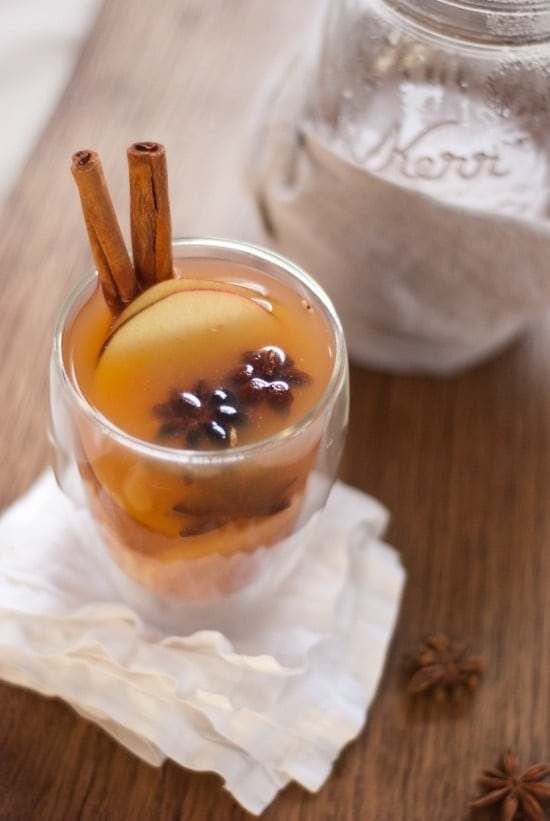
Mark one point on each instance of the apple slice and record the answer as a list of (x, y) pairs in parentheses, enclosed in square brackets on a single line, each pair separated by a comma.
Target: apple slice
[(152, 295), (167, 287), (176, 340), (182, 316)]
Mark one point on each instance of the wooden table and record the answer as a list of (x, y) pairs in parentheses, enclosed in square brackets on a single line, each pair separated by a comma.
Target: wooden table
[(463, 464)]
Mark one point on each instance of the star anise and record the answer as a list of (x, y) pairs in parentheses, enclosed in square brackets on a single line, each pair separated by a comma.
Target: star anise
[(232, 497), (268, 374), (517, 794), (202, 413), (442, 667)]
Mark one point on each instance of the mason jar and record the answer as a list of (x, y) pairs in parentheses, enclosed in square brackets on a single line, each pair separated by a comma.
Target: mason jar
[(416, 185)]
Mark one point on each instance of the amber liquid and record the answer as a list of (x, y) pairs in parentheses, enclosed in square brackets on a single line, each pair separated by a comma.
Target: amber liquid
[(157, 515)]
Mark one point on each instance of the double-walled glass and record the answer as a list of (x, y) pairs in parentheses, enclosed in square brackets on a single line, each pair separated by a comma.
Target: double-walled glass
[(259, 502)]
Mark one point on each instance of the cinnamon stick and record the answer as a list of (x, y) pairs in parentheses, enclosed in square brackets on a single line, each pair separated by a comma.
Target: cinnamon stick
[(114, 267), (151, 226)]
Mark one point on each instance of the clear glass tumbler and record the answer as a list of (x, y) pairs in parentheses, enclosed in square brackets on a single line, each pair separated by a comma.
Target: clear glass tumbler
[(192, 524)]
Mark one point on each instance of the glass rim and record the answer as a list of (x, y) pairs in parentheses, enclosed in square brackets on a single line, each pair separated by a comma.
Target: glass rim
[(186, 456)]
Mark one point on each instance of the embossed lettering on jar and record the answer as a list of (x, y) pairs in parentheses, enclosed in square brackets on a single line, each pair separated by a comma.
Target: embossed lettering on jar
[(451, 100)]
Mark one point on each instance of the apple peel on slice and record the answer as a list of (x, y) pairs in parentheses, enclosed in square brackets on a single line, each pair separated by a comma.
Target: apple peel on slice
[(168, 287), (178, 328), (182, 315)]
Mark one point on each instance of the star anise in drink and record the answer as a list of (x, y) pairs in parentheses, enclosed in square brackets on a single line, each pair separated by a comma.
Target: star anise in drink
[(268, 374), (516, 794), (201, 414), (442, 667), (231, 497)]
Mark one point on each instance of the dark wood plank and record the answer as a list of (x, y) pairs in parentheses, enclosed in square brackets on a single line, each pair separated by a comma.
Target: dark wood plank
[(463, 464)]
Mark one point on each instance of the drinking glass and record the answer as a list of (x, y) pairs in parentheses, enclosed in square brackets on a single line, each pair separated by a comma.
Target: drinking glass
[(188, 524)]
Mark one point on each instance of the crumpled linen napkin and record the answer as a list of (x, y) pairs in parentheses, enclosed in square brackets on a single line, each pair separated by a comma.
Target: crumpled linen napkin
[(272, 698)]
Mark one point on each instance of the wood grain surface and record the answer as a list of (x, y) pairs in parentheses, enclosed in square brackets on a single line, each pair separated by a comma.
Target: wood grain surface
[(463, 464)]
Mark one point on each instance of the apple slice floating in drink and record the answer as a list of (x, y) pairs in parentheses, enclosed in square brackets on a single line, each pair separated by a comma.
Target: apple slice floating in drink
[(172, 286), (170, 338), (182, 315)]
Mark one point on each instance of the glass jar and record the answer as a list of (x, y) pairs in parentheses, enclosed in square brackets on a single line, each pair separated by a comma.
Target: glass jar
[(419, 195), (449, 99)]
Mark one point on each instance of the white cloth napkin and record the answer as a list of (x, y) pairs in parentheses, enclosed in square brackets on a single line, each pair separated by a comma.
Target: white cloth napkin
[(272, 698)]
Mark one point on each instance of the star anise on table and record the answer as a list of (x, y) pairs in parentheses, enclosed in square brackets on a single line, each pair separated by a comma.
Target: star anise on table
[(203, 413), (442, 667), (268, 374), (516, 794)]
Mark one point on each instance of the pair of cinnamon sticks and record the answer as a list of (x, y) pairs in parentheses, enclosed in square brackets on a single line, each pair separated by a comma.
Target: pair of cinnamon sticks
[(151, 229)]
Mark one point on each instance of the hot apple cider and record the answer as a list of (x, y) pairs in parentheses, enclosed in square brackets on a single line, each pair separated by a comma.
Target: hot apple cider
[(204, 411), (217, 356)]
